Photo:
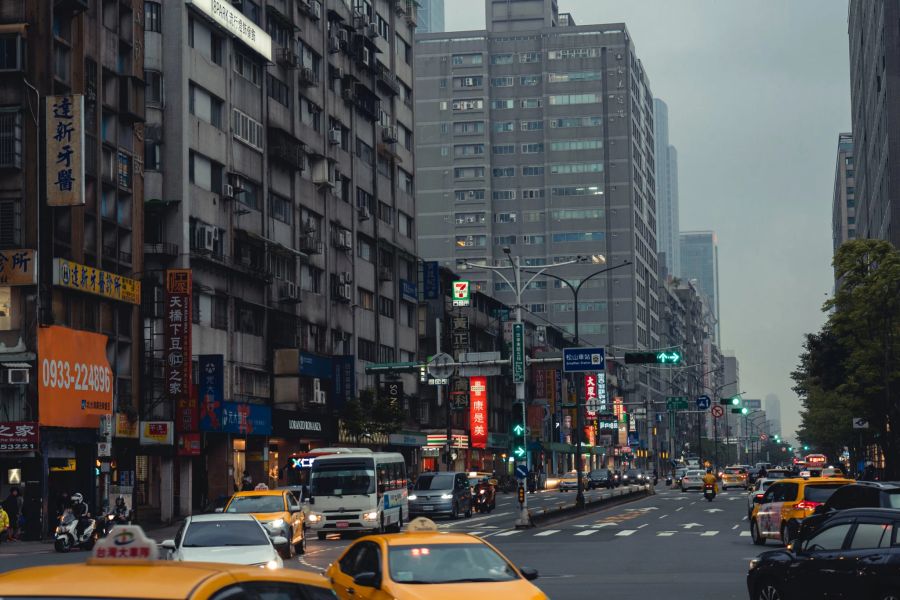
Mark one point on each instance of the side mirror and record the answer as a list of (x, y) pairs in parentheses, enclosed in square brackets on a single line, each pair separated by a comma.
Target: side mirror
[(221, 509), (312, 500), (529, 573), (367, 579), (168, 545), (279, 540)]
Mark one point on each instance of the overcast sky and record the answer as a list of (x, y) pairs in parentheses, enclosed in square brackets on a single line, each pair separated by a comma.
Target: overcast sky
[(757, 92)]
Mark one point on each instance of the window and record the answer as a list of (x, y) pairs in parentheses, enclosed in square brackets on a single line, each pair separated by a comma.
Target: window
[(504, 240), (529, 57), (10, 223), (503, 104), (152, 155), (364, 249), (568, 122), (247, 129), (279, 31), (578, 236), (505, 217), (464, 195), (464, 150), (205, 173), (504, 172), (311, 114), (152, 17), (386, 213), (385, 307), (385, 353), (404, 181), (537, 240), (154, 82), (531, 103), (204, 41), (565, 169), (531, 125), (590, 190), (871, 535), (278, 90), (247, 68), (468, 172), (205, 106), (531, 194), (529, 80), (573, 53), (311, 279), (504, 149), (404, 224), (532, 171), (12, 54), (468, 128), (403, 49), (504, 126), (280, 208), (468, 82), (365, 350), (831, 538), (407, 314), (567, 99), (364, 199), (502, 82), (532, 148), (502, 59), (10, 138), (577, 214), (365, 152), (573, 76), (249, 318), (471, 241), (533, 216), (283, 267), (366, 299), (470, 218), (503, 195), (468, 104)]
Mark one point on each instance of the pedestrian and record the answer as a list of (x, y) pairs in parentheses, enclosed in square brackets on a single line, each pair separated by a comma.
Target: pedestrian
[(13, 507), (4, 524), (246, 482), (868, 473)]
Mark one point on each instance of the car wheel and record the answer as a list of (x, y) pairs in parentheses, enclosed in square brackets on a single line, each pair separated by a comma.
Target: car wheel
[(755, 534), (769, 590), (787, 534), (321, 535), (289, 550)]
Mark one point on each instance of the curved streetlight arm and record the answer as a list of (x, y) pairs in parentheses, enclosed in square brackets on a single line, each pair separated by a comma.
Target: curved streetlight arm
[(497, 270)]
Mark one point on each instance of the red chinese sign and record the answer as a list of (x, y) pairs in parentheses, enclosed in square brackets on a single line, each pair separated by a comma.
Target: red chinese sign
[(478, 403), (590, 394), (19, 436), (178, 344), (189, 444)]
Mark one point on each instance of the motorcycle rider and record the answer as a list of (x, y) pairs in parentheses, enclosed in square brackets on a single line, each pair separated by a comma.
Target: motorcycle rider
[(710, 479), (81, 512)]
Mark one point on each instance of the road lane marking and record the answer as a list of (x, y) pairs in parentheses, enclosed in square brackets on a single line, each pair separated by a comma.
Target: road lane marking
[(586, 532), (745, 534), (625, 532), (642, 526), (664, 516), (546, 533), (709, 533), (736, 526), (507, 533), (679, 508), (665, 534)]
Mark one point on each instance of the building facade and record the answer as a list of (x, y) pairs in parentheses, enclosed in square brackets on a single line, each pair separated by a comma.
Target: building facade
[(874, 69), (430, 16), (843, 204), (700, 263), (71, 244), (668, 243), (773, 414), (280, 177), (541, 141)]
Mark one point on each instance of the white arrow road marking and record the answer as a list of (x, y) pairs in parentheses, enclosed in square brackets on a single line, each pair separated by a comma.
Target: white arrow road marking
[(625, 532), (713, 510), (745, 534), (665, 534), (744, 519), (691, 525), (586, 532), (546, 533), (709, 533), (664, 516)]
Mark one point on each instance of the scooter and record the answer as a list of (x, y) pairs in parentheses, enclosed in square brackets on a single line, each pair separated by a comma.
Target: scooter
[(67, 533), (117, 517), (709, 491)]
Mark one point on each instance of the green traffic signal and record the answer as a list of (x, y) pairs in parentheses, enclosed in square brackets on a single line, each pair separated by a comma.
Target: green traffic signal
[(519, 430), (735, 401), (790, 448), (519, 451), (745, 411), (642, 358), (806, 447)]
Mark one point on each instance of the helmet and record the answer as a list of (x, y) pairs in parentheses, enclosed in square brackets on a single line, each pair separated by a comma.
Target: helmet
[(709, 471), (120, 501), (77, 498)]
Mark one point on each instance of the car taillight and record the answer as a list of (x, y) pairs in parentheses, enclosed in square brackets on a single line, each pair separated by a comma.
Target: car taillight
[(808, 505), (760, 495)]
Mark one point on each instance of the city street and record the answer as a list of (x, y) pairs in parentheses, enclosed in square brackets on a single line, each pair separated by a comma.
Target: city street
[(671, 544)]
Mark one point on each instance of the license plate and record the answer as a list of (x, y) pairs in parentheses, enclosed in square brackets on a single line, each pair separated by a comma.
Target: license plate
[(427, 508), (342, 524)]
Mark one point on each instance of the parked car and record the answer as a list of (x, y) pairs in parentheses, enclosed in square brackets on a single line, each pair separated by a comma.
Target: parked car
[(692, 480), (862, 494), (600, 478), (569, 481), (852, 555), (446, 493)]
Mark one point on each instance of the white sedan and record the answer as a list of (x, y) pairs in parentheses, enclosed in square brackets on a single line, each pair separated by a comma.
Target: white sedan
[(757, 491), (225, 538)]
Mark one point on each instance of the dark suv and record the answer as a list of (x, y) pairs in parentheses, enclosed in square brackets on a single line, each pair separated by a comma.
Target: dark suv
[(862, 494), (600, 478)]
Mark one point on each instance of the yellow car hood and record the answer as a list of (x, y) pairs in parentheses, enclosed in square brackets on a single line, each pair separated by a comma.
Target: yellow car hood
[(518, 589)]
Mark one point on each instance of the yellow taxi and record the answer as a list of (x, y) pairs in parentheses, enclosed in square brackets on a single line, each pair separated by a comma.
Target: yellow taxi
[(734, 477), (124, 564), (777, 514), (278, 511), (569, 481), (426, 563)]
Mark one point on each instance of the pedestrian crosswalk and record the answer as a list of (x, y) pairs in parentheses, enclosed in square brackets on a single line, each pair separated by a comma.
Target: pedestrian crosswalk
[(608, 532)]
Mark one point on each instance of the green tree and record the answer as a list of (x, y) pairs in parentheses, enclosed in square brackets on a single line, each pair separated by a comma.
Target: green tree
[(369, 414)]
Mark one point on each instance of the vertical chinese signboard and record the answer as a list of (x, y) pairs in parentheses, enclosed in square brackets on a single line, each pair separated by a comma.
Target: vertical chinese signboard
[(590, 395), (518, 353), (210, 391), (478, 403), (65, 150), (178, 337)]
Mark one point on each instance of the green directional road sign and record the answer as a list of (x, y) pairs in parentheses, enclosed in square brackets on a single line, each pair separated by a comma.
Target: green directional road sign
[(668, 358), (518, 353), (674, 403), (518, 429)]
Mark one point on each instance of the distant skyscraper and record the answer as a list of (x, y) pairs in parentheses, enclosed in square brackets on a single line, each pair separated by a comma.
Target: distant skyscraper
[(700, 261), (430, 16), (773, 414), (843, 207), (666, 190), (731, 378)]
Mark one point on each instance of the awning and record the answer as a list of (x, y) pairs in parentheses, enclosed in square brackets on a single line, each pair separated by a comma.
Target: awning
[(20, 28), (15, 365)]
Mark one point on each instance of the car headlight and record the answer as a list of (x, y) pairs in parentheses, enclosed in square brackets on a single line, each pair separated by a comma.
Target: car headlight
[(412, 497), (276, 524), (481, 491), (448, 496), (314, 518), (272, 564), (754, 562), (371, 516)]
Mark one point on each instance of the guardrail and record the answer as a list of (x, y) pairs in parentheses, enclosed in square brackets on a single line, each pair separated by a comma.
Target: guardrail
[(566, 509)]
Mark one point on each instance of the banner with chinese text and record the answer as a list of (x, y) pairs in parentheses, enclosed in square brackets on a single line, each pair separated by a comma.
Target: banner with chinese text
[(17, 436), (177, 318), (478, 404), (18, 267), (65, 150), (210, 391), (75, 276)]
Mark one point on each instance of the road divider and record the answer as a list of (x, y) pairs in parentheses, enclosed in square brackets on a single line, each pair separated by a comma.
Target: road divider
[(554, 511)]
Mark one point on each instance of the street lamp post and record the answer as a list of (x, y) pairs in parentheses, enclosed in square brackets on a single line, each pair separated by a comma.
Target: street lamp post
[(575, 289)]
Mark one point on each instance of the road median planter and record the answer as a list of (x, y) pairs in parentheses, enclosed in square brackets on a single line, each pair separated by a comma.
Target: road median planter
[(560, 511)]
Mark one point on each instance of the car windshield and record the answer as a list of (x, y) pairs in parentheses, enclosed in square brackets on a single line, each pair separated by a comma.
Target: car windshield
[(732, 471), (209, 534), (256, 504), (776, 475), (695, 474), (632, 473), (342, 478), (819, 493), (429, 481), (893, 499), (448, 563)]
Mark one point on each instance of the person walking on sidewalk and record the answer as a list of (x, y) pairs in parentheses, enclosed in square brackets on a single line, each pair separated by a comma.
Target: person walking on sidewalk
[(13, 507), (4, 524)]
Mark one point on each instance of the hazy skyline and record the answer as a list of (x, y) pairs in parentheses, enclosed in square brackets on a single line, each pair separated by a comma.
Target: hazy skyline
[(757, 95)]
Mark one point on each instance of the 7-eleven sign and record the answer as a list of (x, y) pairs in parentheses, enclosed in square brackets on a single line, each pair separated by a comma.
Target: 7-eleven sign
[(460, 293)]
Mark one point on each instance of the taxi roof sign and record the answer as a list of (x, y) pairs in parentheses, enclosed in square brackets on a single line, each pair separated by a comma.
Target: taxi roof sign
[(125, 543), (421, 525)]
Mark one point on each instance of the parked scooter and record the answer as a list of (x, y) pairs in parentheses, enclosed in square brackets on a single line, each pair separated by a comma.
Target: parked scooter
[(67, 533), (709, 491)]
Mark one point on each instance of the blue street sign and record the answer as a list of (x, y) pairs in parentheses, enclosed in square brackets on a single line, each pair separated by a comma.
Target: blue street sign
[(521, 471), (583, 359), (703, 402)]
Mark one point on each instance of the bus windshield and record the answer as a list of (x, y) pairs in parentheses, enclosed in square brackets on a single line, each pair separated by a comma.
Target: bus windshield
[(342, 477)]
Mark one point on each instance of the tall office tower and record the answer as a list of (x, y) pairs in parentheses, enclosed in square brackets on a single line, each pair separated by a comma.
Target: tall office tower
[(773, 414), (731, 378), (430, 16), (538, 138), (875, 109), (280, 171), (700, 262), (843, 204), (666, 190)]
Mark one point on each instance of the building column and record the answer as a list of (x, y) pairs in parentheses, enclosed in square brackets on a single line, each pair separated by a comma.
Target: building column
[(166, 489), (186, 486)]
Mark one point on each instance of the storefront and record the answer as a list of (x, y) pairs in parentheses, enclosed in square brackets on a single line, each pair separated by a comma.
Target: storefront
[(294, 433), (21, 467), (236, 441), (434, 453)]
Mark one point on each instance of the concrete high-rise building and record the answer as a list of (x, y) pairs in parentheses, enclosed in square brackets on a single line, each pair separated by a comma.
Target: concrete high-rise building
[(280, 170), (731, 378), (773, 414), (875, 110), (667, 226), (430, 16), (538, 137), (700, 262), (843, 205)]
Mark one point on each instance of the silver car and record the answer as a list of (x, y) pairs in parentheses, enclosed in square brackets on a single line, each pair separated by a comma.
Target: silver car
[(692, 480), (757, 490), (444, 493)]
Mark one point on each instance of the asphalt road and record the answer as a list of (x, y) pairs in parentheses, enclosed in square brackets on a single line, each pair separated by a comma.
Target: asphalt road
[(673, 545)]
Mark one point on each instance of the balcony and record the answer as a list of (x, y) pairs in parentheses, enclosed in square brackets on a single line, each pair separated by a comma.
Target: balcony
[(164, 249), (131, 98), (311, 244), (286, 148), (387, 80)]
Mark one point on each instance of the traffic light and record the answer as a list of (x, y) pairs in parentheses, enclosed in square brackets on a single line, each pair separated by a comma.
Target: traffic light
[(662, 358), (805, 447), (745, 411), (737, 411), (736, 401), (733, 401), (519, 444)]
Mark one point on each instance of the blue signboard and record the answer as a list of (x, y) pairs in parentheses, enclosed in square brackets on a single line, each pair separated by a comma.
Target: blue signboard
[(211, 390), (313, 365), (583, 359), (237, 417), (431, 281), (634, 439), (521, 471), (408, 290), (703, 402), (344, 380)]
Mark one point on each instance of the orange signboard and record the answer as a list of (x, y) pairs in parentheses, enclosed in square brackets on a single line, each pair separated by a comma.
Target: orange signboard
[(75, 383)]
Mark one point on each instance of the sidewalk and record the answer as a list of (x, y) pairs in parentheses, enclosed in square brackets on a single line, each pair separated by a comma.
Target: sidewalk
[(158, 532)]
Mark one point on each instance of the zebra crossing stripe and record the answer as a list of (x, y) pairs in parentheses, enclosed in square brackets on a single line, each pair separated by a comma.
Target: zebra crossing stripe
[(745, 534), (625, 532), (587, 532), (507, 533), (546, 533), (709, 533)]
